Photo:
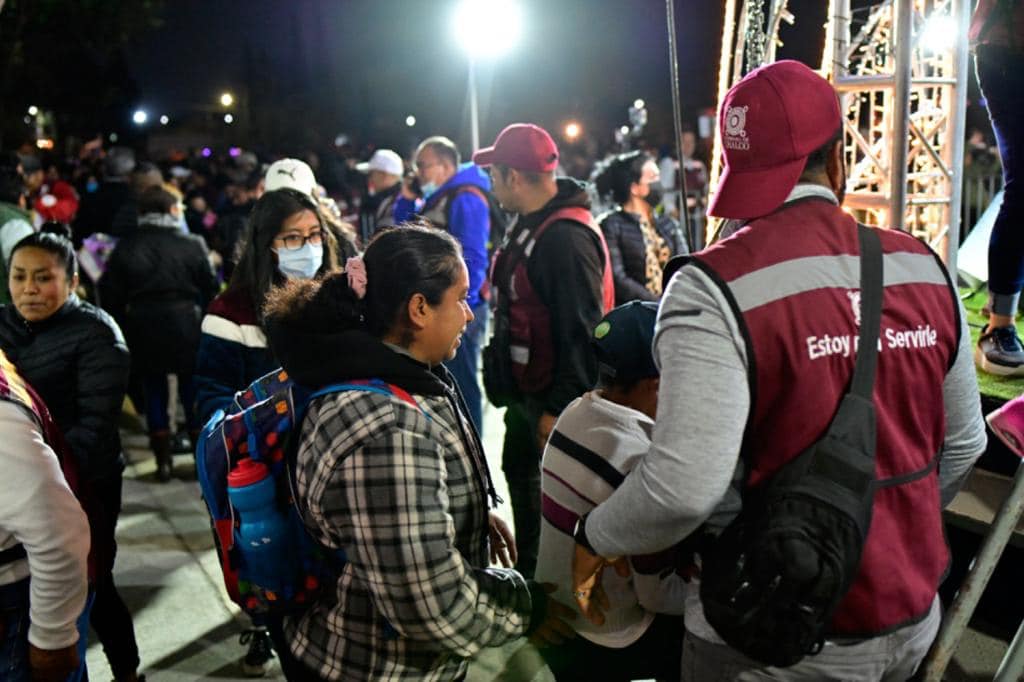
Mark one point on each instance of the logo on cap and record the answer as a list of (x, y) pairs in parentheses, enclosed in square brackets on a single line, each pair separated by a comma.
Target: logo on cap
[(735, 128)]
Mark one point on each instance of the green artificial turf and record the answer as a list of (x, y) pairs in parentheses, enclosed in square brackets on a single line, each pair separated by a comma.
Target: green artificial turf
[(990, 385)]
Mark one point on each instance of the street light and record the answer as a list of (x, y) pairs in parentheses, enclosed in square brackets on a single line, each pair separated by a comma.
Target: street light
[(229, 119), (572, 131), (227, 99), (164, 120), (484, 28), (140, 117), (410, 121), (33, 110)]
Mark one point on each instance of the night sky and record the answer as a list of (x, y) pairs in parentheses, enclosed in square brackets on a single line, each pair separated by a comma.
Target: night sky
[(362, 66)]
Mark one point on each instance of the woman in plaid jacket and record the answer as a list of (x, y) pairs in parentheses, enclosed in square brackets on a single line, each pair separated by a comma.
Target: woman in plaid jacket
[(398, 480)]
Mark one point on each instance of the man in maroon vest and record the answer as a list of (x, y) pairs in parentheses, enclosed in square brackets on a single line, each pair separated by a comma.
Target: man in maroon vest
[(552, 284), (755, 341)]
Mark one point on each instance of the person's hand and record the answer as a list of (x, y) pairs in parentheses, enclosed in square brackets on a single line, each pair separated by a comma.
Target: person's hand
[(554, 630), (52, 665), (545, 425), (587, 568), (503, 544)]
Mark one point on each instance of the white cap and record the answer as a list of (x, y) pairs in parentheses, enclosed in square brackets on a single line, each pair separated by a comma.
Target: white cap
[(290, 174), (383, 160)]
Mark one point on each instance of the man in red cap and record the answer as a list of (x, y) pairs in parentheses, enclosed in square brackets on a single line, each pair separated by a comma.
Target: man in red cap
[(756, 345), (552, 284)]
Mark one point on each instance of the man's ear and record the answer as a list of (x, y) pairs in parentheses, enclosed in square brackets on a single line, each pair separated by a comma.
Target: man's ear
[(419, 311), (835, 168)]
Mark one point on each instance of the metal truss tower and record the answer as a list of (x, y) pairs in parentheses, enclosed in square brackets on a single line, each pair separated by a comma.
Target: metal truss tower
[(900, 67)]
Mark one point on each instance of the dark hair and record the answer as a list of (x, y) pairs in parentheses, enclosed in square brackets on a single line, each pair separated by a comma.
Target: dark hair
[(156, 200), (256, 271), (443, 147), (816, 160), (613, 176), (53, 238), (402, 261)]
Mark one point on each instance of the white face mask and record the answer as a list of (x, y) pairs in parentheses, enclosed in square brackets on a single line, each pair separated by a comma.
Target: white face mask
[(301, 263)]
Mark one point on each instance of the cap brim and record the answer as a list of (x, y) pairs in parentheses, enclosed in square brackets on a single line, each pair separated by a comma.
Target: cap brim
[(363, 167), (742, 195), (484, 157)]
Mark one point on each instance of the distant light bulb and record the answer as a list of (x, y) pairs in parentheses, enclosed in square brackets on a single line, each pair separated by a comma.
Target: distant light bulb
[(227, 99), (410, 121), (164, 120), (33, 110), (229, 119), (572, 130), (140, 117), (638, 104)]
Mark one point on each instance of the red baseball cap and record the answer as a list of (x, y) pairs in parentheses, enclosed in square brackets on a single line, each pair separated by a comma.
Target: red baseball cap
[(522, 146), (770, 122)]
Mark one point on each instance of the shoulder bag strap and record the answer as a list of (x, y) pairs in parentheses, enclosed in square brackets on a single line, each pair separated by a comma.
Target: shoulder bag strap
[(871, 289)]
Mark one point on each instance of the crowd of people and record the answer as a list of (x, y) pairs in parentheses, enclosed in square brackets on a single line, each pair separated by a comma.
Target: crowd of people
[(651, 388)]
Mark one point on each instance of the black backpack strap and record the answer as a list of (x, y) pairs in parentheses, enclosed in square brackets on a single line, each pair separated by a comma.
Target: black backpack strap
[(871, 288), (12, 554)]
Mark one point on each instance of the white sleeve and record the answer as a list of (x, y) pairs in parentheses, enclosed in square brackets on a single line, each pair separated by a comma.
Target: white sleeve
[(965, 429), (696, 442), (41, 512), (12, 232)]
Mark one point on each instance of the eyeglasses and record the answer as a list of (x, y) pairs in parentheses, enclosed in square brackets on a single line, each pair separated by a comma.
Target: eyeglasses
[(294, 242)]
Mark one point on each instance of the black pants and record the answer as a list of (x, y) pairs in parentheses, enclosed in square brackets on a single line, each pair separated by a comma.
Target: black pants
[(658, 654), (110, 617), (520, 460)]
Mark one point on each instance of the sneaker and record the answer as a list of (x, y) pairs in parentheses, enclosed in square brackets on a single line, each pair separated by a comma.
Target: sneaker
[(1000, 352), (261, 650)]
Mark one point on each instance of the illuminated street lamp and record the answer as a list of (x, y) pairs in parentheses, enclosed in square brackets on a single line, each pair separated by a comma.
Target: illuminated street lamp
[(33, 110), (227, 99), (229, 119), (410, 121), (140, 117), (484, 28), (164, 120), (572, 131)]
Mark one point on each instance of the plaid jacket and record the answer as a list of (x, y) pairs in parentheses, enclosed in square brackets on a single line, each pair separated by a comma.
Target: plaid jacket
[(404, 493)]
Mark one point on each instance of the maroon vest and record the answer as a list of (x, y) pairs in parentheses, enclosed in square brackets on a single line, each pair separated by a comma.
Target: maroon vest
[(531, 347), (793, 280)]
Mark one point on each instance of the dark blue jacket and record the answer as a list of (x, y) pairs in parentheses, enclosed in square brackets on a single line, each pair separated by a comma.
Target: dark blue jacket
[(464, 214)]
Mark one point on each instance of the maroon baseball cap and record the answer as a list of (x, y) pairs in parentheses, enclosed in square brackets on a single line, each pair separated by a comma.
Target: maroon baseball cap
[(522, 146), (770, 122)]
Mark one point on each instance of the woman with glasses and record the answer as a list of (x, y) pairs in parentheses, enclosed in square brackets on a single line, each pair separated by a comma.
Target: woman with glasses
[(287, 239), (158, 282)]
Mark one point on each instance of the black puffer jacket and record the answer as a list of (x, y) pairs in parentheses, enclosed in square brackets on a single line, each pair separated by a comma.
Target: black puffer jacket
[(629, 255), (78, 362), (157, 285)]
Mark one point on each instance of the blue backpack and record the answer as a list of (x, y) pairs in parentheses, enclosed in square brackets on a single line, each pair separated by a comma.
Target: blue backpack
[(270, 561)]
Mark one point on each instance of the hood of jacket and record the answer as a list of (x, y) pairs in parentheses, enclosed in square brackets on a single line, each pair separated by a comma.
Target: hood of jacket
[(571, 192), (316, 359), (468, 174)]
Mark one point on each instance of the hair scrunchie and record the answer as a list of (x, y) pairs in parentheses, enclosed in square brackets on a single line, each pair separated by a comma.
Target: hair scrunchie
[(355, 270)]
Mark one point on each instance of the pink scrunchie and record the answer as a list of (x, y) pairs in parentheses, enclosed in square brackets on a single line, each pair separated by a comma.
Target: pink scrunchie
[(355, 269)]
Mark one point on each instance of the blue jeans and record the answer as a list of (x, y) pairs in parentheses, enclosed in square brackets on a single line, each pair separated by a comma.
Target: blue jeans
[(155, 388), (466, 364), (1001, 76), (14, 600), (14, 622)]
